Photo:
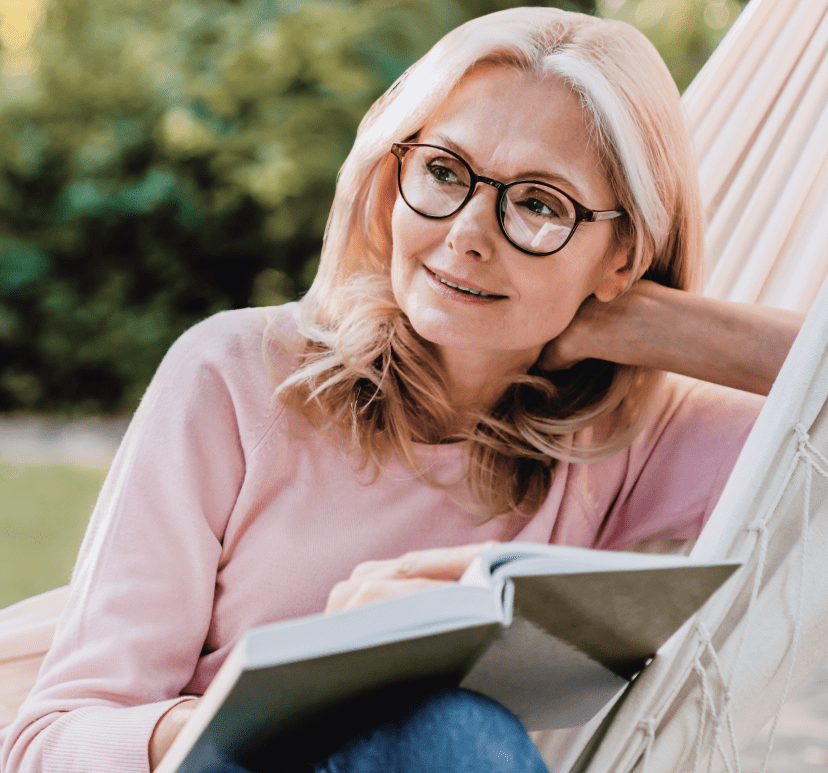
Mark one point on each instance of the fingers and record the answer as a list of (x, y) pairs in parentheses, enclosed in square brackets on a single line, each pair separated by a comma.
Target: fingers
[(552, 359), (577, 341), (412, 572), (351, 594), (436, 563)]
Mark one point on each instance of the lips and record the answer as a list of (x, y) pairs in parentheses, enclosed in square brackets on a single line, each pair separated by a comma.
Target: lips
[(463, 287)]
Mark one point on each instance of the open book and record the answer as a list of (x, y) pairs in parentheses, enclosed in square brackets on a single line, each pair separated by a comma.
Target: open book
[(551, 632)]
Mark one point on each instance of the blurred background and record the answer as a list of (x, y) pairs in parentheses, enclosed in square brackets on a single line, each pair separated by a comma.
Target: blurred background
[(161, 160)]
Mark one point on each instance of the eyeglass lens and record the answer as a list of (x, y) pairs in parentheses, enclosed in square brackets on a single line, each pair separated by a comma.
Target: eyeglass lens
[(537, 218)]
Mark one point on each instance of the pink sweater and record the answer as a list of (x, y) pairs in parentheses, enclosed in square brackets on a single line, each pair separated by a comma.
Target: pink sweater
[(224, 511)]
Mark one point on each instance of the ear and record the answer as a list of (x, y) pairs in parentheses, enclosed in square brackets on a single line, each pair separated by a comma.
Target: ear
[(616, 275)]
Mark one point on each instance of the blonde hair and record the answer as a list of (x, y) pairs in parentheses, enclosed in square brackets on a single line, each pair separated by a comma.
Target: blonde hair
[(363, 371)]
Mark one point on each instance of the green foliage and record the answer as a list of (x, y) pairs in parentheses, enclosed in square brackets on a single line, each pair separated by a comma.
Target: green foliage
[(160, 161), (685, 32), (165, 156)]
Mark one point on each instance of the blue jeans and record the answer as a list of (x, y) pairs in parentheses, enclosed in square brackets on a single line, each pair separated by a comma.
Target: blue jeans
[(450, 731)]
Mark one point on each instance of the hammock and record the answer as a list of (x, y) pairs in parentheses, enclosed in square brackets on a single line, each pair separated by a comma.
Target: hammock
[(26, 632), (760, 118), (759, 112)]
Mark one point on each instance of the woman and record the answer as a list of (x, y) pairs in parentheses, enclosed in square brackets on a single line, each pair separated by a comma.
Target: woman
[(504, 270)]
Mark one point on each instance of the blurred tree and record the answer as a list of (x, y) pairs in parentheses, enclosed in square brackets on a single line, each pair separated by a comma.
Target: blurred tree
[(165, 159), (685, 32), (161, 161)]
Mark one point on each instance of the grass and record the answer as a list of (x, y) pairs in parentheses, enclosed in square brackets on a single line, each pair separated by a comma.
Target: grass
[(44, 510)]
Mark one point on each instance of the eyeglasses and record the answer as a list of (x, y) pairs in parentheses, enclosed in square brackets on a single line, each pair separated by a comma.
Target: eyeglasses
[(537, 218)]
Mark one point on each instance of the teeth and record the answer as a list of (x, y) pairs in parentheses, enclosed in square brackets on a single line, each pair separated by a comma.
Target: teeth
[(462, 288)]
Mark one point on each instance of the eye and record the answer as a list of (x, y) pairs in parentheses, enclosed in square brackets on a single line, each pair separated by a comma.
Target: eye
[(434, 168), (538, 207), (441, 173), (542, 203), (550, 207)]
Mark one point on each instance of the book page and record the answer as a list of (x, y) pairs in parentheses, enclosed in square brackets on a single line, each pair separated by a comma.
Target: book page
[(618, 618), (517, 558), (544, 681)]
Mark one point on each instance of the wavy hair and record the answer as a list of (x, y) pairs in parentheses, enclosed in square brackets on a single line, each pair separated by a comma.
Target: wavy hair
[(363, 371)]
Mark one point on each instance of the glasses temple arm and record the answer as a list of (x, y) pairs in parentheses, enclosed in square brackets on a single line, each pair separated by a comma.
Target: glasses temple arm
[(607, 214)]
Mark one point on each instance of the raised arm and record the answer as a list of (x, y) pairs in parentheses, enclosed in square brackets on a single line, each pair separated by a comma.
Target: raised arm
[(736, 344)]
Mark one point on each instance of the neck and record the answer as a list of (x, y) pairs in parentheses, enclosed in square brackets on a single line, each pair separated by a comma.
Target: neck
[(476, 380)]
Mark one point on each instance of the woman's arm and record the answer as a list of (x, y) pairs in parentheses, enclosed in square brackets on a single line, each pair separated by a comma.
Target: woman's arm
[(167, 728), (143, 589), (736, 344)]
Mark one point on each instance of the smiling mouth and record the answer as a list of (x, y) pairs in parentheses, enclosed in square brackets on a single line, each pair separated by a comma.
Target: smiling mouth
[(463, 288)]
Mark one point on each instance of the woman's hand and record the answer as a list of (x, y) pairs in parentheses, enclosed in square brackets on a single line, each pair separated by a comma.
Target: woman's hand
[(578, 340), (167, 728), (412, 572), (619, 330), (736, 344)]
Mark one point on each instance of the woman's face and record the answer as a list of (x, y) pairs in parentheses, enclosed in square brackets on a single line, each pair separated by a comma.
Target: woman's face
[(508, 126)]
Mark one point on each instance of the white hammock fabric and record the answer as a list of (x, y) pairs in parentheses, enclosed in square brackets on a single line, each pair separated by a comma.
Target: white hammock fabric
[(759, 111), (26, 632), (714, 685)]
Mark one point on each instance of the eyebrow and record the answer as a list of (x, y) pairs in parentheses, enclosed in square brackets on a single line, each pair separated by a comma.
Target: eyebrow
[(539, 175)]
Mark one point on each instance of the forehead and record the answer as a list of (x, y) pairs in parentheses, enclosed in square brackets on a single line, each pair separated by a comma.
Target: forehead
[(508, 122)]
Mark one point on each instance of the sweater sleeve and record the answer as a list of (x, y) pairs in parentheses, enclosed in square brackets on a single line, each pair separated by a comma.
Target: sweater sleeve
[(142, 590)]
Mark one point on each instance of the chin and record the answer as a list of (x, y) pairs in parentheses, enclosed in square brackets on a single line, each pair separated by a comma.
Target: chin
[(442, 322), (437, 330)]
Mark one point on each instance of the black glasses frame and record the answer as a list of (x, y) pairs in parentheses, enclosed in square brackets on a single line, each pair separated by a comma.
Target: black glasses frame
[(582, 213)]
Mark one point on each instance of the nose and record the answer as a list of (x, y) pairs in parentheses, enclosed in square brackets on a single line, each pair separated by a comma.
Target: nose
[(474, 229)]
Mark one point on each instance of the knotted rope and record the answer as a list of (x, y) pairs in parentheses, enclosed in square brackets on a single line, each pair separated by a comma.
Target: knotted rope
[(807, 455)]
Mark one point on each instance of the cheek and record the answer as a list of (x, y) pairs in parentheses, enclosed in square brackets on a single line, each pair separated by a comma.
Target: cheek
[(549, 315), (413, 239), (403, 249), (555, 291), (399, 283), (407, 229), (398, 239)]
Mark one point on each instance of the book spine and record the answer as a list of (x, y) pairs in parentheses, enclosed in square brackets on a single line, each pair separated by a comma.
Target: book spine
[(507, 600)]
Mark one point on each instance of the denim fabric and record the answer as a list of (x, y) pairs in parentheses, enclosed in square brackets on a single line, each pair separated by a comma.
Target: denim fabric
[(450, 731)]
